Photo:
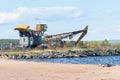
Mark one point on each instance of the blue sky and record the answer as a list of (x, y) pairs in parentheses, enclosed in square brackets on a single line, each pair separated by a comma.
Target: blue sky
[(102, 17)]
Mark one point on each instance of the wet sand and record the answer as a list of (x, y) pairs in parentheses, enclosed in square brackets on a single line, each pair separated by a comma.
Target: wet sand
[(22, 70)]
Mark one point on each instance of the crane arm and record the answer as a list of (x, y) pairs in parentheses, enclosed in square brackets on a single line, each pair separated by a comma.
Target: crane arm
[(82, 35), (61, 36)]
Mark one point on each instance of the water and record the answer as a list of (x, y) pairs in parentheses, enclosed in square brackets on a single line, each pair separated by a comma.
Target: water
[(113, 60)]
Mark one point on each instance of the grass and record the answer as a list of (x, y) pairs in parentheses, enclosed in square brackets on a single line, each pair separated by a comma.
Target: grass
[(57, 49), (32, 51)]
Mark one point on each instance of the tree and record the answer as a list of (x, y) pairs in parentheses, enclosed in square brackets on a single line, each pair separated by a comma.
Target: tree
[(105, 42), (94, 44)]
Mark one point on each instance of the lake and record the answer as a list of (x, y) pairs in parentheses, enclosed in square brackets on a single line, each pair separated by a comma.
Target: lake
[(112, 60)]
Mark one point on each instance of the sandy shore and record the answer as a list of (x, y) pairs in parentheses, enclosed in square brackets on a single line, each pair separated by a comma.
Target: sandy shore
[(21, 70)]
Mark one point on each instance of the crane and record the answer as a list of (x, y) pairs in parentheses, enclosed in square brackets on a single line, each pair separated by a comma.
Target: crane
[(34, 38)]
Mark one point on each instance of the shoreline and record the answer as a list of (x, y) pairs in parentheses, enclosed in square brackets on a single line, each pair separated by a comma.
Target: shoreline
[(36, 54), (23, 70)]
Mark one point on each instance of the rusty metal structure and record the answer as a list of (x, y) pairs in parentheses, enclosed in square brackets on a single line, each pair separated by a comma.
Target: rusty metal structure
[(34, 38)]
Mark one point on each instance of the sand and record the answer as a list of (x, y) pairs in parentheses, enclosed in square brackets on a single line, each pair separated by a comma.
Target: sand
[(22, 70)]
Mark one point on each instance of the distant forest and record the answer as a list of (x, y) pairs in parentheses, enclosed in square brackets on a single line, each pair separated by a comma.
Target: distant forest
[(8, 41), (67, 44)]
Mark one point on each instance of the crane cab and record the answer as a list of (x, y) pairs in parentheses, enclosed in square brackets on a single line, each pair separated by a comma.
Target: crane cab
[(29, 37)]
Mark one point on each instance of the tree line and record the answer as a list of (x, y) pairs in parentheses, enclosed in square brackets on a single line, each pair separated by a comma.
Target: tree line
[(93, 44), (8, 41), (82, 44)]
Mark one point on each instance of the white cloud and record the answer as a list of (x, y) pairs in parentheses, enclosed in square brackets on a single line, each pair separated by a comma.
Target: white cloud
[(42, 13), (8, 17)]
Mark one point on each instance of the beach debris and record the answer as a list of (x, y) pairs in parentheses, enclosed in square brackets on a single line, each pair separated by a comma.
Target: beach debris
[(106, 65)]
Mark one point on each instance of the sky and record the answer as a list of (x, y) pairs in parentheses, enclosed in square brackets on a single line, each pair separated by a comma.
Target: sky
[(101, 16)]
